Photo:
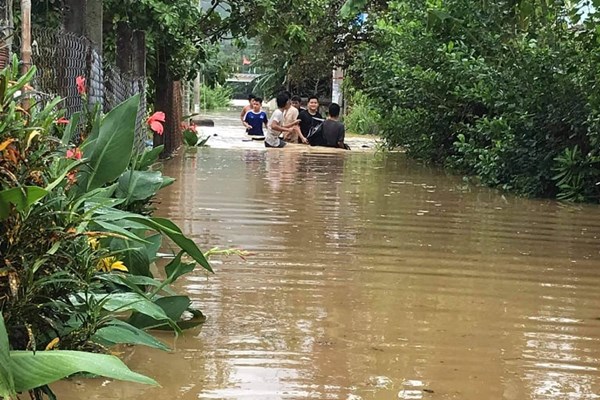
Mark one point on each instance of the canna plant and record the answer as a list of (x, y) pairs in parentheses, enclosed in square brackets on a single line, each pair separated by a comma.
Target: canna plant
[(77, 239)]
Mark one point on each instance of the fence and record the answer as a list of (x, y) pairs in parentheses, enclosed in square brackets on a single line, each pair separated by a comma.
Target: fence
[(61, 57)]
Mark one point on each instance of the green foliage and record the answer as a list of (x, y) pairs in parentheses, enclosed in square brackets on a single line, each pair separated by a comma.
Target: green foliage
[(362, 117), (111, 151), (22, 371), (496, 90), (214, 97), (178, 34), (77, 243), (299, 45), (575, 171)]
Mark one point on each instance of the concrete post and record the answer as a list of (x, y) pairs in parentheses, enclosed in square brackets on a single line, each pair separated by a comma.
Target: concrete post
[(74, 16), (93, 24), (124, 47), (138, 45), (197, 94)]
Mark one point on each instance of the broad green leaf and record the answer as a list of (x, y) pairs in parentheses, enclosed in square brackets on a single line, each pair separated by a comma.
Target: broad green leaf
[(176, 268), (134, 281), (33, 370), (139, 185), (120, 332), (197, 319), (107, 226), (134, 257), (70, 129), (149, 157), (7, 384), (21, 82), (191, 139), (154, 245), (119, 302), (20, 197), (172, 306), (114, 145), (174, 233)]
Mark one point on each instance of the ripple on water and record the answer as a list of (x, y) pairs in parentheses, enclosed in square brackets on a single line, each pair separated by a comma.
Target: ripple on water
[(371, 277)]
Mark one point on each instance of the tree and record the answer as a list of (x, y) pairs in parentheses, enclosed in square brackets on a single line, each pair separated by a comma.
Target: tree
[(301, 44)]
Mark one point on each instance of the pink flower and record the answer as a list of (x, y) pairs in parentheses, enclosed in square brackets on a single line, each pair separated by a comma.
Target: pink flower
[(80, 81), (72, 177), (155, 122), (74, 154), (61, 121)]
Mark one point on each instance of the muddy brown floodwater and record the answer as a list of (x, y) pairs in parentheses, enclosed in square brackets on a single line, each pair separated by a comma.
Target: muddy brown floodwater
[(371, 277)]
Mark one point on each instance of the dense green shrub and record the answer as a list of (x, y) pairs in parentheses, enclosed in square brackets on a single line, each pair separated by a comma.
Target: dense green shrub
[(361, 118), (506, 96), (77, 241), (214, 97)]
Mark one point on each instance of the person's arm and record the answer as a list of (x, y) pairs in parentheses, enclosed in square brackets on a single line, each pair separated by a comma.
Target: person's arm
[(277, 127), (276, 124), (243, 113), (265, 120), (341, 137), (245, 122)]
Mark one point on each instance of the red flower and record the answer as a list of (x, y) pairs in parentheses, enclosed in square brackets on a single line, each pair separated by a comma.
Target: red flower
[(61, 121), (75, 153), (155, 122), (80, 81), (72, 177)]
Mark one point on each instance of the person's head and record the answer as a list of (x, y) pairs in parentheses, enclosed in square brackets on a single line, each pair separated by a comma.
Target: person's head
[(296, 101), (313, 104), (257, 104), (282, 100), (250, 98), (334, 110)]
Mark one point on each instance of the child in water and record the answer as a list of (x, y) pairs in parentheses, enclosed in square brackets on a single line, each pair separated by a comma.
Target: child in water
[(255, 119)]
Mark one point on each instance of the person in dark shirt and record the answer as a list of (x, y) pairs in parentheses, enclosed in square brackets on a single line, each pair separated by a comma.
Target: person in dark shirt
[(334, 131), (255, 119), (310, 116)]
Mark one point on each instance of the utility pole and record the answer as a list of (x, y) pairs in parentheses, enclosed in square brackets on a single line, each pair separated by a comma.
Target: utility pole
[(196, 88), (25, 35)]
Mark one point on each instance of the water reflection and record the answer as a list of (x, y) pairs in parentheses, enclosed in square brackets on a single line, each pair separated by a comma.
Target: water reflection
[(374, 278)]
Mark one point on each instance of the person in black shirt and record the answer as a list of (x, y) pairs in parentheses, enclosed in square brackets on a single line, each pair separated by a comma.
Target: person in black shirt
[(310, 116), (334, 131)]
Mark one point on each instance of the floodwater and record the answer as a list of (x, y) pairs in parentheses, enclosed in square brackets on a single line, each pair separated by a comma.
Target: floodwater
[(371, 277)]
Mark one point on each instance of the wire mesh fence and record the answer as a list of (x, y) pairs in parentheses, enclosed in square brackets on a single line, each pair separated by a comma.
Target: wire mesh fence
[(61, 57)]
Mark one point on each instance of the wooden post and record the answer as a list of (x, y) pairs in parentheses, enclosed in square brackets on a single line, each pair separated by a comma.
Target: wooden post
[(25, 35)]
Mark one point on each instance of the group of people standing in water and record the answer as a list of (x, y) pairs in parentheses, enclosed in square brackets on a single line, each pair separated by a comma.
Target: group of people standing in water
[(292, 123)]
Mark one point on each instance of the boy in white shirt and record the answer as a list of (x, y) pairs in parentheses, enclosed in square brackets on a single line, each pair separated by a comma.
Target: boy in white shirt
[(275, 125)]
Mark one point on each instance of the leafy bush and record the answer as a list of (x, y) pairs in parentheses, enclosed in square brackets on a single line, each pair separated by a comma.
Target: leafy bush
[(77, 238), (214, 97), (361, 118), (488, 90)]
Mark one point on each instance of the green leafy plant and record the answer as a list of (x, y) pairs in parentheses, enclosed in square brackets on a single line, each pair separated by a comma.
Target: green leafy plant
[(78, 240), (21, 371), (214, 97), (495, 90), (362, 117)]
